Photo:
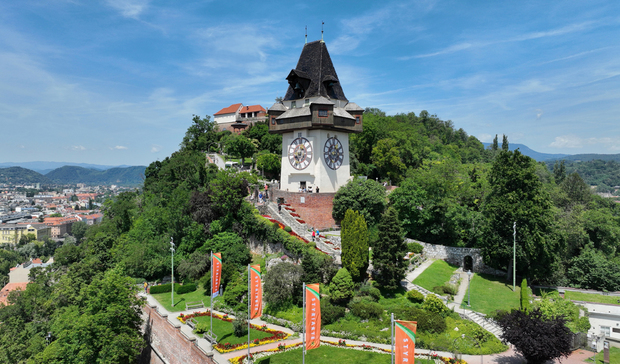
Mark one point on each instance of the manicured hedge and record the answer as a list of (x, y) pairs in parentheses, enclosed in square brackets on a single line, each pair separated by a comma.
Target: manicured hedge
[(162, 288), (191, 287)]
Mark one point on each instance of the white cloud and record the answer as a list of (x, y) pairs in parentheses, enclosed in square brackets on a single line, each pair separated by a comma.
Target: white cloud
[(539, 113), (78, 147), (155, 148), (573, 141), (129, 8), (487, 138), (119, 147)]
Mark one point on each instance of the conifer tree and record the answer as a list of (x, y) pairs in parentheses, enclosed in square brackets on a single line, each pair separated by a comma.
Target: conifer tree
[(505, 143), (354, 235), (495, 145), (525, 296), (388, 254)]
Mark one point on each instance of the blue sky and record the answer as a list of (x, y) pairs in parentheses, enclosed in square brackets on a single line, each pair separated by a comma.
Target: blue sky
[(117, 81)]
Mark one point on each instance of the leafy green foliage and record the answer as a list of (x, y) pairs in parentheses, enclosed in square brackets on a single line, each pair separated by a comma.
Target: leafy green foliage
[(366, 310), (415, 247), (552, 306), (186, 288), (269, 163), (593, 269), (341, 287), (354, 237), (525, 296), (365, 196), (415, 296), (240, 146), (330, 313), (389, 251), (434, 304), (78, 230), (282, 285), (428, 321)]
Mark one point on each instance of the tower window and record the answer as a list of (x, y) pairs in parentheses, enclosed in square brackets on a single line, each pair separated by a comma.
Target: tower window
[(307, 102), (322, 113), (273, 120), (357, 120), (293, 104)]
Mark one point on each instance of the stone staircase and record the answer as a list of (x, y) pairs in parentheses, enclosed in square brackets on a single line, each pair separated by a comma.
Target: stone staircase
[(485, 323), (303, 230)]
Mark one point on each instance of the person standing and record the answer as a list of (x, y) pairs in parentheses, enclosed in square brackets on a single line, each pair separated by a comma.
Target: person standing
[(313, 234), (146, 286), (280, 208)]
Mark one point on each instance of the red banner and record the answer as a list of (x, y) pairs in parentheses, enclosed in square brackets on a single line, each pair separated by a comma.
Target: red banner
[(405, 341), (216, 269), (256, 292), (313, 316)]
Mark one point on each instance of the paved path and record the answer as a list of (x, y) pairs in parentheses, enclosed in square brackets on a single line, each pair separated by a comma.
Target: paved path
[(416, 272)]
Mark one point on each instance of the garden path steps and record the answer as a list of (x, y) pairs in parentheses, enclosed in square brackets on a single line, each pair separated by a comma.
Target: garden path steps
[(474, 316), (300, 229)]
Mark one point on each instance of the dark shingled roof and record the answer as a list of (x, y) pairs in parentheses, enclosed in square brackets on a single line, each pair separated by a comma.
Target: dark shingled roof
[(314, 75)]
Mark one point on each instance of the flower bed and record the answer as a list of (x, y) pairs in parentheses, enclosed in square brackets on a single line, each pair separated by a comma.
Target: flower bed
[(290, 209), (228, 347), (300, 221), (294, 214)]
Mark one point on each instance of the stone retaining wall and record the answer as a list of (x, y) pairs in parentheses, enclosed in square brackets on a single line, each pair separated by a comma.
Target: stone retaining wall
[(457, 256), (314, 208)]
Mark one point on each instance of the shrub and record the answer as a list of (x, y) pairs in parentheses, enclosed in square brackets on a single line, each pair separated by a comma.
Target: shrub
[(415, 296), (427, 321), (185, 288), (202, 327), (370, 291), (415, 247), (525, 297), (341, 287), (330, 313), (288, 229), (434, 304), (240, 326), (162, 288), (446, 289), (367, 310)]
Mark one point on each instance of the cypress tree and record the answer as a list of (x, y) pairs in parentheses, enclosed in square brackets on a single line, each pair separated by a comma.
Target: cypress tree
[(525, 296), (388, 254), (354, 241)]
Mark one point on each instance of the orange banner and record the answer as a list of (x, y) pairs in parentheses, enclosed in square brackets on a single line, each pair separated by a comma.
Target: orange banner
[(256, 292), (405, 341), (313, 316), (216, 269)]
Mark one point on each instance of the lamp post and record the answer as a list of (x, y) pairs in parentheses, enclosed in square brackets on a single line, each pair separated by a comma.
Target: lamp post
[(172, 251), (468, 287)]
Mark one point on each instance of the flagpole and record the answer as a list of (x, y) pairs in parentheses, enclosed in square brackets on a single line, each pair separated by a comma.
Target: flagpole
[(211, 312), (303, 326), (392, 327), (249, 315)]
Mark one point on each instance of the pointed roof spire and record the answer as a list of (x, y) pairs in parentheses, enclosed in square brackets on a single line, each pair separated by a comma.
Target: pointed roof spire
[(322, 23), (306, 34)]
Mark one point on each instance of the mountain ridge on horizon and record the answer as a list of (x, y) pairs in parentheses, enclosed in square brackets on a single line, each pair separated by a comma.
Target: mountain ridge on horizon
[(45, 167)]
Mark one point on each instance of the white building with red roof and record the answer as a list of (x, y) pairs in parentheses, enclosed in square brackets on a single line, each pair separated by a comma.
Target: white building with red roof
[(237, 117)]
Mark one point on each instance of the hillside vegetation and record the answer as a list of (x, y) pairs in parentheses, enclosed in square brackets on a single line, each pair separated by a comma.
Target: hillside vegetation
[(19, 175), (73, 174)]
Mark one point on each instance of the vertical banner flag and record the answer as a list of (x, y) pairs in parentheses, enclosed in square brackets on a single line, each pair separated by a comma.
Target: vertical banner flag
[(216, 266), (405, 341), (313, 316), (256, 292)]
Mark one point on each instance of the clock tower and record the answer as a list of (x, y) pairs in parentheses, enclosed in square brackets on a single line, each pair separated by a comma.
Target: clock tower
[(315, 120)]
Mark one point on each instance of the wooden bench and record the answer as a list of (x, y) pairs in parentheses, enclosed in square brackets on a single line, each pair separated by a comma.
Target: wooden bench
[(193, 305), (210, 337), (192, 323)]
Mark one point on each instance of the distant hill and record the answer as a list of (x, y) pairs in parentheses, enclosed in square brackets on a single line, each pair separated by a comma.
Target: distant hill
[(19, 175), (46, 167), (591, 157), (524, 149), (73, 174)]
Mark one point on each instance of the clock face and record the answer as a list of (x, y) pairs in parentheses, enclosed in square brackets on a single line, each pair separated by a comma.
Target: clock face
[(300, 153), (333, 153)]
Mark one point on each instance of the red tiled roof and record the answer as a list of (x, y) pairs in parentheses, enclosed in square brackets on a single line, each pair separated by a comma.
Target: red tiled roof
[(229, 110), (37, 261), (252, 108), (4, 294)]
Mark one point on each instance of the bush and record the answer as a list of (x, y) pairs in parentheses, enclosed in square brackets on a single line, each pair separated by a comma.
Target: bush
[(367, 310), (415, 296), (186, 288), (341, 287), (525, 297), (240, 326), (162, 288), (446, 289), (429, 322), (434, 304), (370, 291), (205, 282), (288, 229), (330, 313), (415, 247), (203, 327)]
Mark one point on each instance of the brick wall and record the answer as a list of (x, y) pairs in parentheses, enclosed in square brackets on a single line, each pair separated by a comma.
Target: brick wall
[(168, 345), (316, 210)]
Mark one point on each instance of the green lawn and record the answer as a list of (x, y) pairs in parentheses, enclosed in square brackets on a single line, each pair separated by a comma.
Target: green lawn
[(591, 297), (436, 274), (181, 299), (614, 356), (490, 293), (331, 354), (292, 313), (224, 331)]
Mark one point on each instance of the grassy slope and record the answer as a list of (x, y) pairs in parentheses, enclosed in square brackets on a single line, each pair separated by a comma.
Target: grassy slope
[(436, 274), (589, 297), (330, 354), (181, 299), (490, 293), (224, 331), (614, 356)]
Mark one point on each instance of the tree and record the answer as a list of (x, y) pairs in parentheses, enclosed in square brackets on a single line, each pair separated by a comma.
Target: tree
[(517, 195), (594, 270), (559, 172), (388, 254), (386, 157), (505, 147), (241, 147), (354, 237), (341, 287), (78, 230), (552, 306), (495, 145), (283, 285), (200, 135), (576, 189), (269, 163), (536, 337), (234, 250), (365, 196)]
